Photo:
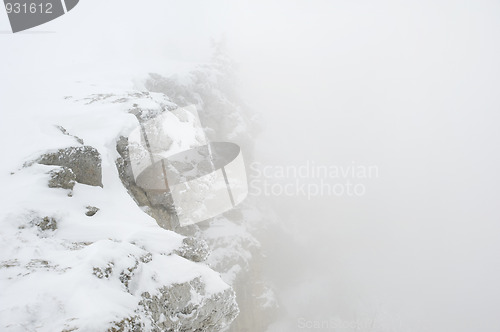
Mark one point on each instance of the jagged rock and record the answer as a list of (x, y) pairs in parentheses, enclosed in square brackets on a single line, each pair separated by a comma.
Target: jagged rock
[(161, 213), (191, 305), (155, 290), (91, 211), (238, 257), (186, 307), (46, 223), (62, 178), (182, 307), (194, 249), (84, 161)]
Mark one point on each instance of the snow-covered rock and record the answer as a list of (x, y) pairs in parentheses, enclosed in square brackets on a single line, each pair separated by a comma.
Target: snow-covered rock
[(232, 237), (104, 256), (84, 162), (115, 271)]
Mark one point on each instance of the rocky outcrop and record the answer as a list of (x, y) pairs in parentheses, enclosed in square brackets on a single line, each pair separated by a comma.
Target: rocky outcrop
[(161, 213), (181, 306), (232, 237), (141, 277), (236, 253), (133, 288), (194, 249), (123, 272), (84, 162), (186, 307), (62, 177)]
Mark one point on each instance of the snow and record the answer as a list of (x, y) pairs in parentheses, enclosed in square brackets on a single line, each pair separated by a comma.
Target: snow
[(184, 271), (48, 278), (85, 79)]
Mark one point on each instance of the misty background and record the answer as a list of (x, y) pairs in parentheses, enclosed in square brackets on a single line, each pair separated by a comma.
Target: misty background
[(410, 87)]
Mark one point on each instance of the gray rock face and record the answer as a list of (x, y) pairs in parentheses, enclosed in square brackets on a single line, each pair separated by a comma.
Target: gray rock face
[(194, 249), (179, 307), (161, 213), (133, 268), (182, 308), (238, 257), (84, 162), (62, 178), (185, 307)]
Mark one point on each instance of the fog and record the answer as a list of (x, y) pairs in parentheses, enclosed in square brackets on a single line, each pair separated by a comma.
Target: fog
[(413, 89), (410, 87)]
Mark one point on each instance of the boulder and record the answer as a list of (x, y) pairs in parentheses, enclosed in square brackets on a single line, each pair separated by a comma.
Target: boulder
[(91, 211), (84, 162), (194, 249), (186, 307)]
